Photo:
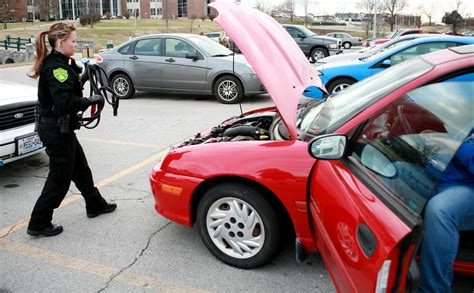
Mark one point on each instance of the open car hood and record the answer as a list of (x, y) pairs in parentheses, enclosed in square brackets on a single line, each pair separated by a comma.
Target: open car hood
[(275, 57)]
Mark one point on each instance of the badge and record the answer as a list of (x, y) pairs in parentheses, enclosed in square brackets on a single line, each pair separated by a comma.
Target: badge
[(60, 74)]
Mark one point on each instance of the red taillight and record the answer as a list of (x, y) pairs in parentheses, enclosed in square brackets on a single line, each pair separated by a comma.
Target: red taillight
[(98, 58)]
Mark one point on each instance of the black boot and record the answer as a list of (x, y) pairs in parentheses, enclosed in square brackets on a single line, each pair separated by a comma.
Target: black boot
[(102, 208), (49, 231)]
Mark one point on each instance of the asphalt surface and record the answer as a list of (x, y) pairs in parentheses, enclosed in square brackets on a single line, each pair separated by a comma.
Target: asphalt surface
[(133, 249)]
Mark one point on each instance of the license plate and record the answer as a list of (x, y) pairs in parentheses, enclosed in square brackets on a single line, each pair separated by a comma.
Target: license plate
[(28, 144)]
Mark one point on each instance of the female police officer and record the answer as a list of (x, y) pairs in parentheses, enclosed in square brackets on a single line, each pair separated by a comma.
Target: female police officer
[(59, 101)]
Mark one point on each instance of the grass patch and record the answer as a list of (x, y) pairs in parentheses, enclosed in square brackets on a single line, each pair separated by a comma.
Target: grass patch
[(116, 30)]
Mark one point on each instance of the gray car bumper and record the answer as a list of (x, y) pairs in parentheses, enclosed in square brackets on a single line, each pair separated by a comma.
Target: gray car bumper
[(252, 84)]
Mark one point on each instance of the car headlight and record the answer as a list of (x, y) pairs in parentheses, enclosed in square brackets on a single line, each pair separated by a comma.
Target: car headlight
[(332, 46)]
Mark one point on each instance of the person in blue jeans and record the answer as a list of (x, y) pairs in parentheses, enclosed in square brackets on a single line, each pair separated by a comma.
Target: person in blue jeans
[(449, 211)]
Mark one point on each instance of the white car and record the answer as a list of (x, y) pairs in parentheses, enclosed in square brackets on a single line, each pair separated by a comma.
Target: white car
[(18, 138)]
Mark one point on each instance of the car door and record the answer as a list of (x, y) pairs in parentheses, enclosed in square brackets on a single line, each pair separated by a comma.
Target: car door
[(144, 63), (179, 72), (299, 38), (366, 207)]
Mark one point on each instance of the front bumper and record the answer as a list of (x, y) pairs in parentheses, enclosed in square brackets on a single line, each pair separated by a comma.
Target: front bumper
[(173, 195), (252, 85), (8, 148)]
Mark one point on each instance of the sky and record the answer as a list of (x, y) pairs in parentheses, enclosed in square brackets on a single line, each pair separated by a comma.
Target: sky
[(332, 6)]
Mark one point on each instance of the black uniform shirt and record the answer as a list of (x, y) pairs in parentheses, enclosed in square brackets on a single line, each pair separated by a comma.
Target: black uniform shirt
[(59, 88)]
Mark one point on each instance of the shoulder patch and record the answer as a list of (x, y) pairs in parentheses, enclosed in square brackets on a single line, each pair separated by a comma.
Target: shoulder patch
[(60, 74)]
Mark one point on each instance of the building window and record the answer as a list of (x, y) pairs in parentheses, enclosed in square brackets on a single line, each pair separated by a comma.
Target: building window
[(153, 11), (182, 8)]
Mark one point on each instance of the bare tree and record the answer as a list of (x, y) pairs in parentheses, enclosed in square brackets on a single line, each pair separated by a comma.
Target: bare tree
[(263, 6), (305, 9), (6, 9), (368, 8), (394, 7), (290, 5), (428, 9)]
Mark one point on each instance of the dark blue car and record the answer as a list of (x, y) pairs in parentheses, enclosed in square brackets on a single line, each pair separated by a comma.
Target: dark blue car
[(339, 75)]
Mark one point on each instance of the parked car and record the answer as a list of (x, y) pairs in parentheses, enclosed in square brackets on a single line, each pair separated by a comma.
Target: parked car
[(347, 40), (312, 45), (18, 138), (393, 35), (370, 51), (350, 203), (337, 76), (179, 62), (213, 36)]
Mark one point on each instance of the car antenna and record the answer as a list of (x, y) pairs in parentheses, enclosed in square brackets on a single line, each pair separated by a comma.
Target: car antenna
[(233, 74)]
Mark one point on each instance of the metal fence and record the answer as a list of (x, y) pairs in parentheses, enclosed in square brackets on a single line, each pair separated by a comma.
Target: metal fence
[(15, 43)]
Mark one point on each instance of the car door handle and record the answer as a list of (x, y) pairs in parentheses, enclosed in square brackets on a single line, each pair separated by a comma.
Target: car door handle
[(366, 239), (133, 57), (170, 60)]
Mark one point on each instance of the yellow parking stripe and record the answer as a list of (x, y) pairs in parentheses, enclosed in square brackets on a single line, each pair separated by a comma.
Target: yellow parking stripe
[(135, 144), (70, 199), (92, 268)]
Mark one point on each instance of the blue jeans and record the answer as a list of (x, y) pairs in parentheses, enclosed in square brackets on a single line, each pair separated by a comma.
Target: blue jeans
[(449, 211)]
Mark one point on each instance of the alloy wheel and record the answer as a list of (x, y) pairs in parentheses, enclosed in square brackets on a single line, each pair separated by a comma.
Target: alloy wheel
[(121, 86), (227, 90)]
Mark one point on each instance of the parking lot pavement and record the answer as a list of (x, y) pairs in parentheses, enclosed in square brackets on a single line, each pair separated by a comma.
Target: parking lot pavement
[(133, 249)]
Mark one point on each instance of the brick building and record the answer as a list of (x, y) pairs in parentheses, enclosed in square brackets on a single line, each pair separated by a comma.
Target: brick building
[(21, 10)]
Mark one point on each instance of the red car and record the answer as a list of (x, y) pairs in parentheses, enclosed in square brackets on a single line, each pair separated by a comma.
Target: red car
[(397, 33), (346, 172)]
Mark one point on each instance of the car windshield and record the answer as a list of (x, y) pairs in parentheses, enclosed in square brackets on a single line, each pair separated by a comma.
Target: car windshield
[(345, 104), (387, 46), (306, 31), (387, 51), (210, 47), (395, 34)]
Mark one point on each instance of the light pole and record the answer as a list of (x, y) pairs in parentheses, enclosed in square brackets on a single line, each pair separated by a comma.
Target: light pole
[(374, 32)]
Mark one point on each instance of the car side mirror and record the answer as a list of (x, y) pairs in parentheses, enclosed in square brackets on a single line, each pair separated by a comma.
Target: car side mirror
[(387, 63), (301, 36), (328, 147), (192, 56)]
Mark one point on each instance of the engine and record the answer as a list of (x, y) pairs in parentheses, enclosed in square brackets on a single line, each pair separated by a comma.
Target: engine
[(256, 126)]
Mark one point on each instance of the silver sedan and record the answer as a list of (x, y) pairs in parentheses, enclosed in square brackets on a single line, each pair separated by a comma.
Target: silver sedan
[(179, 62)]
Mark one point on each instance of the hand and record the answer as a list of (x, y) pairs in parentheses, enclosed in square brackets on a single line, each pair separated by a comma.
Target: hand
[(96, 99)]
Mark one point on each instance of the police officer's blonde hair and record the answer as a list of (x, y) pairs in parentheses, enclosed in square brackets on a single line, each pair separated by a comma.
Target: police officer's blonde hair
[(58, 31)]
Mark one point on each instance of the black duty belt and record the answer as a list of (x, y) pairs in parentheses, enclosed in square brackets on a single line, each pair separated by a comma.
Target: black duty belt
[(44, 119)]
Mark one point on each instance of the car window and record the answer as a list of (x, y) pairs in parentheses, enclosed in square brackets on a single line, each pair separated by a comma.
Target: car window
[(419, 49), (293, 32), (148, 47), (125, 49), (408, 145), (178, 48)]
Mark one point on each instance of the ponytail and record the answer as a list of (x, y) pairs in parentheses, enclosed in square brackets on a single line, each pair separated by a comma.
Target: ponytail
[(41, 52)]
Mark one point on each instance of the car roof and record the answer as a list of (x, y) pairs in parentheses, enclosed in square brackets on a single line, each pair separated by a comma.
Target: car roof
[(449, 54)]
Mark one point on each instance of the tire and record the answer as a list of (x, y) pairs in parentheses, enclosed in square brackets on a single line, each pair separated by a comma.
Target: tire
[(234, 211), (228, 90), (318, 53), (347, 45), (340, 84), (122, 85)]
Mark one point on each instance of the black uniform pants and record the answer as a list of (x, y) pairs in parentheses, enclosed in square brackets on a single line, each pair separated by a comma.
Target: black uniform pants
[(67, 162)]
